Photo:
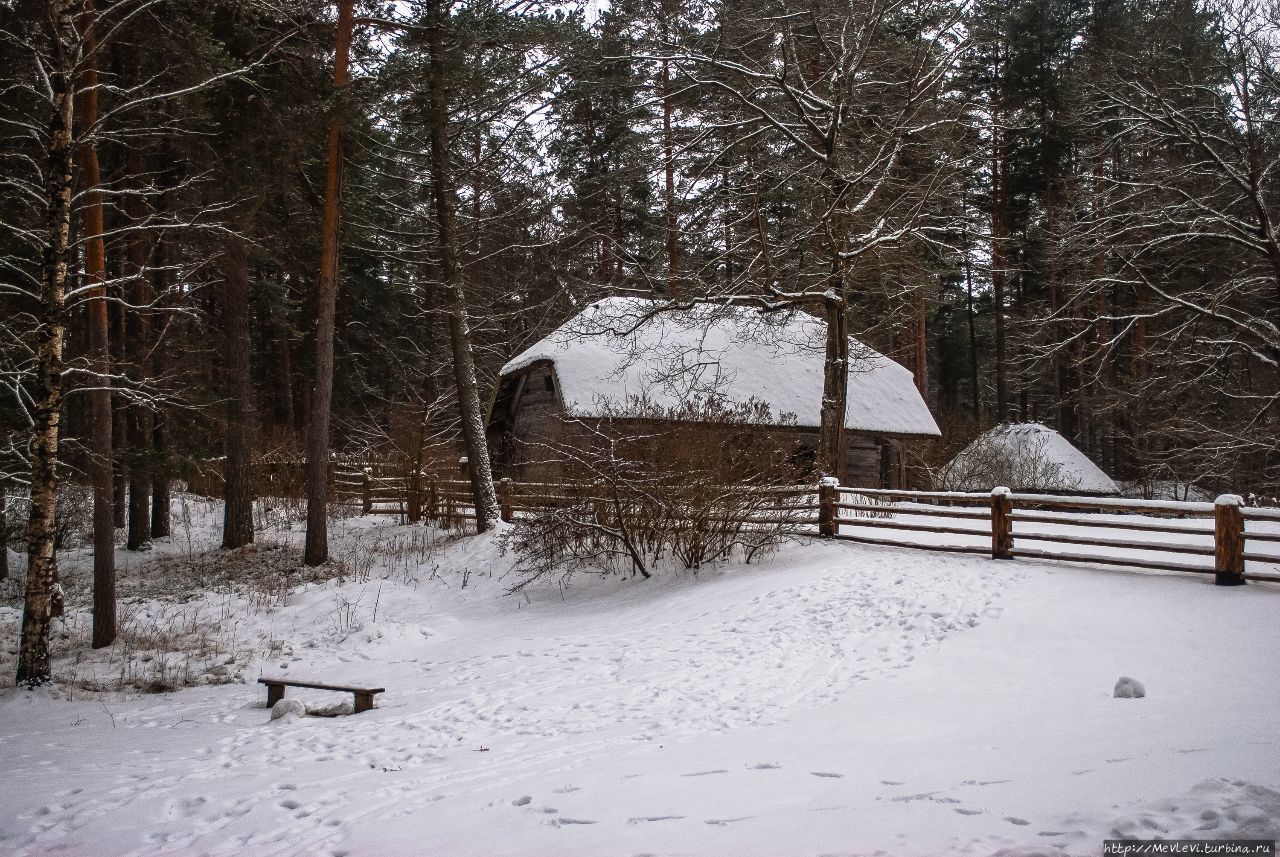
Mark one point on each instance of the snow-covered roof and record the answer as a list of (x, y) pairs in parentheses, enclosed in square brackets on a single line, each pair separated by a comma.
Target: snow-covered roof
[(1025, 457), (610, 356)]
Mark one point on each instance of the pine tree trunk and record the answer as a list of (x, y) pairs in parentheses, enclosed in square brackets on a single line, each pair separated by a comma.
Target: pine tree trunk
[(971, 318), (46, 391), (484, 495), (999, 215), (161, 522), (321, 399), (920, 341), (138, 329), (237, 470), (835, 389), (999, 271), (119, 470), (101, 421), (161, 466), (669, 163)]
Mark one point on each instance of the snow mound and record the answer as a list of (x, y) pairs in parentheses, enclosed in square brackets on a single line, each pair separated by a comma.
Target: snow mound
[(1213, 809), (288, 710), (341, 708), (1128, 688)]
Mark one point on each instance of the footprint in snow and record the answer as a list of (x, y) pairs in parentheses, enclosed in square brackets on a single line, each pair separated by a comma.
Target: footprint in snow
[(765, 766), (1012, 819), (964, 811), (643, 818), (705, 773), (560, 822), (725, 822), (524, 800), (826, 774)]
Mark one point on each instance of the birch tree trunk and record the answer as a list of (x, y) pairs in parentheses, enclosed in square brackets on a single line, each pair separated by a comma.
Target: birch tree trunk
[(33, 655), (317, 547), (4, 532), (483, 492), (101, 417)]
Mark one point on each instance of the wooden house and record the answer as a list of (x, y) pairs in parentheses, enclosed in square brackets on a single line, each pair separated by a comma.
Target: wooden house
[(617, 357)]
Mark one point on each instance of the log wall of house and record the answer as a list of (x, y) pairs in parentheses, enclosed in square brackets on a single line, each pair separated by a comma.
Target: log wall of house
[(526, 425)]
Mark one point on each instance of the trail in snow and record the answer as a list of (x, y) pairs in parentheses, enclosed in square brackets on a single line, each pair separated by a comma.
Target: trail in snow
[(835, 699)]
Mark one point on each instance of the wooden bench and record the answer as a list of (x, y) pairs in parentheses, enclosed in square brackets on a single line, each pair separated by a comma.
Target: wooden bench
[(275, 691)]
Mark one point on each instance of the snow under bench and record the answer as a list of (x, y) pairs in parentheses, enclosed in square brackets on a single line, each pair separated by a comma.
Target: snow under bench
[(275, 691)]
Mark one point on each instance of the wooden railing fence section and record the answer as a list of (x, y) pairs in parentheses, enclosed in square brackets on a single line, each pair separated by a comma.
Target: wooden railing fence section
[(1002, 524)]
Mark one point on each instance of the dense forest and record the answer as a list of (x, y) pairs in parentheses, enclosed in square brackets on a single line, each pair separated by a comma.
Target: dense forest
[(251, 228)]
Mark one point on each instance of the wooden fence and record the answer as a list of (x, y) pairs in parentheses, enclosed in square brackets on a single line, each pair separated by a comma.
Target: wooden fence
[(1225, 535), (1225, 538)]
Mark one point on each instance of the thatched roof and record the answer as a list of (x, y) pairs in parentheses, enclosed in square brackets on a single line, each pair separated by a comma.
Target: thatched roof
[(1025, 457), (610, 358)]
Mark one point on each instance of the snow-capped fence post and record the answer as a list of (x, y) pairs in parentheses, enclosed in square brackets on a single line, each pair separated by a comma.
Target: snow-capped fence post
[(1001, 523), (366, 491), (827, 525), (1228, 540), (504, 500)]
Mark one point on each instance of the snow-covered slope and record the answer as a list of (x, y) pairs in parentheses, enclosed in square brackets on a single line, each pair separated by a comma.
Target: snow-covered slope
[(833, 699), (609, 355)]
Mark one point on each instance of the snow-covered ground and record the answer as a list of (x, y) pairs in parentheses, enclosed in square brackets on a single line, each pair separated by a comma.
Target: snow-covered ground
[(833, 699)]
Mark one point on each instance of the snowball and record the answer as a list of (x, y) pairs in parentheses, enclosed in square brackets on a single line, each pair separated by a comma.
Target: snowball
[(1129, 688), (286, 707)]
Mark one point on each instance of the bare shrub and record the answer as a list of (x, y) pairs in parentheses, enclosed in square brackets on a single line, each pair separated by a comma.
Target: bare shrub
[(692, 484)]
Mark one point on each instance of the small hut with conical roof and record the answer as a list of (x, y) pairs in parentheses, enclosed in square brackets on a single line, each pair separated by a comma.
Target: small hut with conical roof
[(1028, 457)]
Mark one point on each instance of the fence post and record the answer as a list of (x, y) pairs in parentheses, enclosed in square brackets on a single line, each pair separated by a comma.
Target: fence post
[(827, 526), (1001, 523), (366, 495), (1228, 540), (432, 501), (504, 500)]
